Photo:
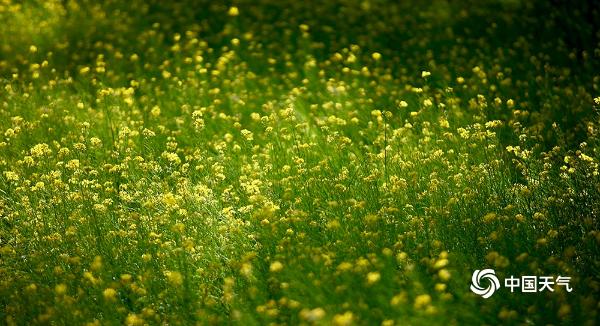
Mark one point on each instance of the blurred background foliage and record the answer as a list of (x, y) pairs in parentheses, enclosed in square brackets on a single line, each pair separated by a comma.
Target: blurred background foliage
[(454, 35)]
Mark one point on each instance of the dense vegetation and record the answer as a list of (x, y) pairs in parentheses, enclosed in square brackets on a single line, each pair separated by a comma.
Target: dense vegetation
[(328, 162)]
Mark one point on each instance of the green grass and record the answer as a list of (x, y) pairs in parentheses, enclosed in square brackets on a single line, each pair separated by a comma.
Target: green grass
[(176, 163)]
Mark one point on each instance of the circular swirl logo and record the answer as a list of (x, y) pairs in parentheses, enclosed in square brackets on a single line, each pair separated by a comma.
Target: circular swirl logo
[(484, 274)]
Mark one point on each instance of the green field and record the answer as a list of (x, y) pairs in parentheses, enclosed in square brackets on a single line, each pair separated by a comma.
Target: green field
[(298, 162)]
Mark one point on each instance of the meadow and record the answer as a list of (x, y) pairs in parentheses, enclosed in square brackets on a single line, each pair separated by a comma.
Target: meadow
[(297, 162)]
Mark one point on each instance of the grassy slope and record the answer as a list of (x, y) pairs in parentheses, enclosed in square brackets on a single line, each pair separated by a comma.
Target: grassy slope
[(176, 163)]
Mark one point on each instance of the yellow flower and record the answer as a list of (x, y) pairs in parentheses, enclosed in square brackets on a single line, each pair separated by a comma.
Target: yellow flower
[(97, 264), (109, 294), (247, 134), (422, 301), (31, 287), (489, 217), (147, 257), (440, 287), (440, 263), (95, 141), (343, 319), (401, 256), (155, 112), (233, 11), (276, 266), (373, 277), (175, 278), (60, 289), (178, 227), (246, 269), (72, 164), (344, 266), (312, 315), (169, 200), (376, 56), (444, 123), (38, 186), (444, 274), (11, 176), (586, 158), (40, 150), (134, 320)]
